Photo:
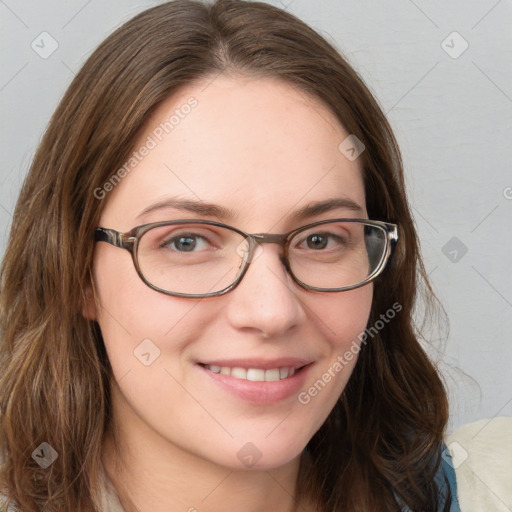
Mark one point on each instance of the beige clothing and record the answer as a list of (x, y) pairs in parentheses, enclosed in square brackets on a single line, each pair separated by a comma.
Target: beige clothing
[(110, 501), (482, 459)]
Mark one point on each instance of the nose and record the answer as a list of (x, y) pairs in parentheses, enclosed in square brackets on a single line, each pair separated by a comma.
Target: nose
[(266, 301)]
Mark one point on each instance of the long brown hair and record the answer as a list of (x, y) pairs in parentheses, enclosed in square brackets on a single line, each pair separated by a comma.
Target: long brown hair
[(380, 446)]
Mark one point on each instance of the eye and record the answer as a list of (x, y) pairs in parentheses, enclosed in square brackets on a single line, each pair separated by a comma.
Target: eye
[(323, 240), (185, 242), (317, 241)]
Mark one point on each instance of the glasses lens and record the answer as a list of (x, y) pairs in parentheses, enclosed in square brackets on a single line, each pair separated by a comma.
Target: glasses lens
[(337, 254), (191, 258)]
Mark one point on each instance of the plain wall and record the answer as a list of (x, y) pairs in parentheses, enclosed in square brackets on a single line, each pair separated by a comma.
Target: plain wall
[(450, 107)]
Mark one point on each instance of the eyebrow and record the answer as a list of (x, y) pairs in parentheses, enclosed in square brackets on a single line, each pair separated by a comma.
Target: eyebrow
[(221, 212)]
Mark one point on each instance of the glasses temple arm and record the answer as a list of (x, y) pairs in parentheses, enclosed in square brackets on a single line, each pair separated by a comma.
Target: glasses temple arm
[(110, 236)]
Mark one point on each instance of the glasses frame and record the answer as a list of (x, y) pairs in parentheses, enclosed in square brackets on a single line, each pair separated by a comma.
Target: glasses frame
[(130, 241)]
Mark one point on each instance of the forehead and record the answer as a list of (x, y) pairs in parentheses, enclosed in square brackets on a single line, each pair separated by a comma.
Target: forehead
[(259, 147)]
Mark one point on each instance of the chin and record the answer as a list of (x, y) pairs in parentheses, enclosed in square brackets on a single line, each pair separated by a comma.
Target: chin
[(260, 454)]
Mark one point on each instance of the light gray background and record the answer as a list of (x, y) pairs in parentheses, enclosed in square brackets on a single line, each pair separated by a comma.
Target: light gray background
[(451, 114)]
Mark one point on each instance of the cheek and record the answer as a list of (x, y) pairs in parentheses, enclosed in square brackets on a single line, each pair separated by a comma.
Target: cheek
[(343, 319), (343, 316), (135, 320)]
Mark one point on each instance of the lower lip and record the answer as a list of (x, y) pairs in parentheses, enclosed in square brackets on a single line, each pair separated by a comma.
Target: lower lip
[(260, 393)]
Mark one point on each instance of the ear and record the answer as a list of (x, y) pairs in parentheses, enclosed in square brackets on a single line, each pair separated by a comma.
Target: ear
[(89, 308)]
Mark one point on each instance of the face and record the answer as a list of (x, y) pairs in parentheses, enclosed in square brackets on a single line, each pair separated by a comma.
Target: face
[(263, 150)]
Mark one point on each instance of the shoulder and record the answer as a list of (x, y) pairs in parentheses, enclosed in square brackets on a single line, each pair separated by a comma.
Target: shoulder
[(482, 459)]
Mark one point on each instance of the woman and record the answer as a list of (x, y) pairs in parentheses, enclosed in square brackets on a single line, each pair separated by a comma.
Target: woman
[(157, 357)]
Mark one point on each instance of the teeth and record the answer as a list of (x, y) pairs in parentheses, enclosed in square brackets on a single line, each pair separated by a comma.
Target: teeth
[(239, 373), (272, 374), (253, 374)]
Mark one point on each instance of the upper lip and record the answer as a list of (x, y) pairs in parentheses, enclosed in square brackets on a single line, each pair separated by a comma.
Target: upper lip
[(264, 364)]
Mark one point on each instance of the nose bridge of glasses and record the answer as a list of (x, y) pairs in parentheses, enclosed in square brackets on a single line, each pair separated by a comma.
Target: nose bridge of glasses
[(269, 238), (257, 239)]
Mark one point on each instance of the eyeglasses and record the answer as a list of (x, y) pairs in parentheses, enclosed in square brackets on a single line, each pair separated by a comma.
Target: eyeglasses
[(201, 258)]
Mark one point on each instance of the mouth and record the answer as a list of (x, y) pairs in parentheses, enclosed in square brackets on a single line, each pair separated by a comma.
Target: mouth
[(254, 374), (256, 381)]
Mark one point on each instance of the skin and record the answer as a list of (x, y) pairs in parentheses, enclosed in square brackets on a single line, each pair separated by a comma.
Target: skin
[(263, 149)]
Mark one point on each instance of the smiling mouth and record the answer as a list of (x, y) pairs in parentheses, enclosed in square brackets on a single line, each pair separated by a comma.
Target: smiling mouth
[(255, 374)]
